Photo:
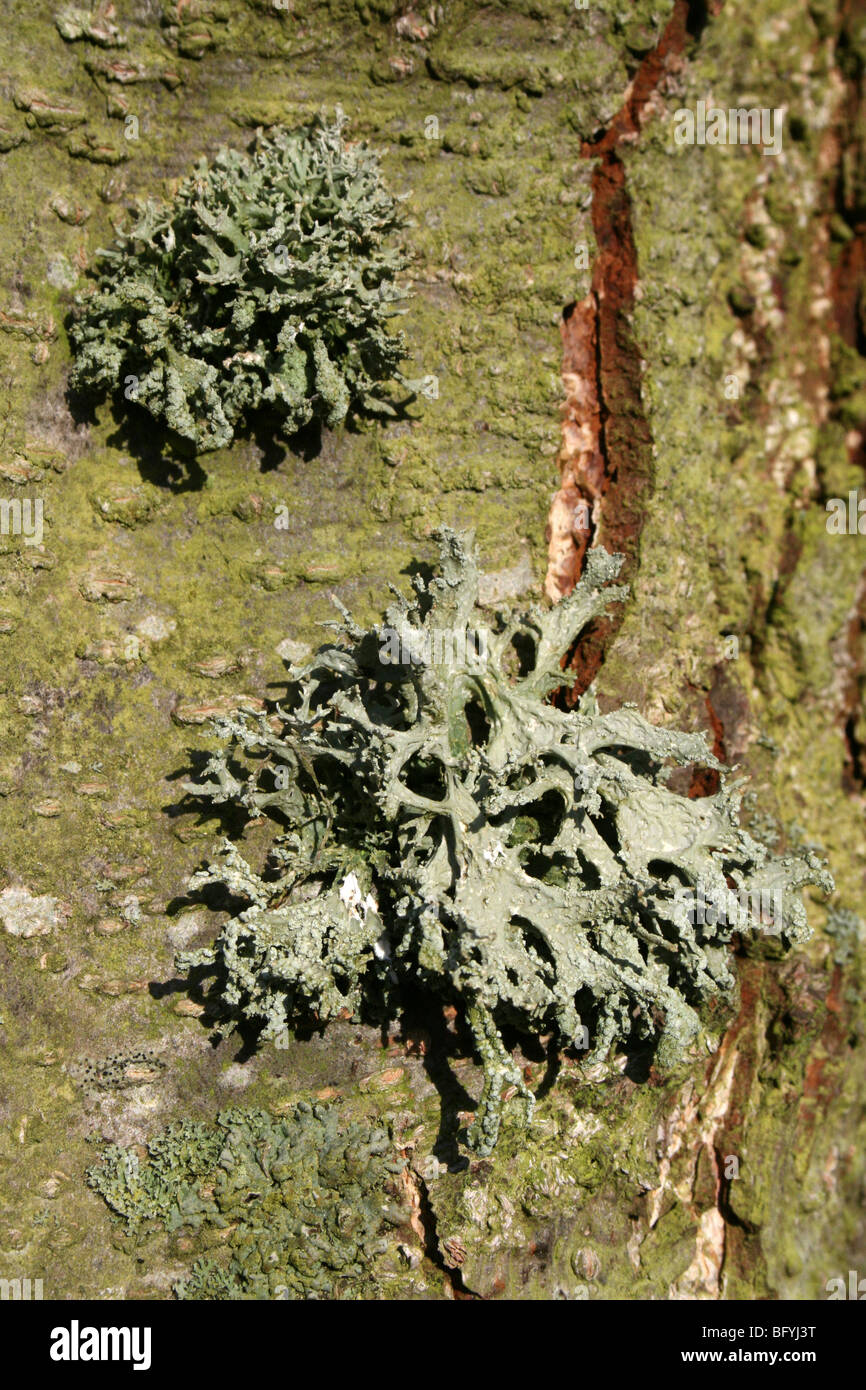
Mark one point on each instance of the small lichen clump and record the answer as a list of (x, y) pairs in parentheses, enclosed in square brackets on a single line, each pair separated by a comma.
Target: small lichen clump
[(266, 284), (302, 1199), (444, 823)]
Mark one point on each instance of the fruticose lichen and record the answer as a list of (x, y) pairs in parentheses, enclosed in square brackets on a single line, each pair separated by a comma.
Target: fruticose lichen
[(302, 1200), (266, 284), (443, 823)]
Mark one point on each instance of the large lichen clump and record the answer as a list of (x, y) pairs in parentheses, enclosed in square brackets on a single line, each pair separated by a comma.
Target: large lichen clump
[(296, 1205), (267, 284), (441, 822)]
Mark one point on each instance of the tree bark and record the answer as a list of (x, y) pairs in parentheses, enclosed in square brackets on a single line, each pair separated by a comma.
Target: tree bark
[(692, 316)]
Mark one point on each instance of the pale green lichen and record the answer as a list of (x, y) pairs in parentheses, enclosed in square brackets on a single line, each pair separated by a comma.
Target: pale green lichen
[(303, 1199), (265, 285), (445, 824)]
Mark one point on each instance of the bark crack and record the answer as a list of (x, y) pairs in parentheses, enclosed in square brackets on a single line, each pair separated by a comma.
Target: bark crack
[(605, 458), (425, 1226)]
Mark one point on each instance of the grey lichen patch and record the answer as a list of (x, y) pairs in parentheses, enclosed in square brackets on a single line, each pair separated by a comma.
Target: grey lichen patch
[(444, 824), (118, 1072), (295, 1206), (23, 913), (266, 284), (847, 932)]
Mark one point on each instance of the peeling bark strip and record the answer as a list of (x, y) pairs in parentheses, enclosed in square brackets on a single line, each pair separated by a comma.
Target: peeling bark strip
[(574, 512), (605, 458), (626, 440)]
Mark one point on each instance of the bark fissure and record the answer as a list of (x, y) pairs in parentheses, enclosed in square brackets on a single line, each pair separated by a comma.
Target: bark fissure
[(426, 1225), (606, 455)]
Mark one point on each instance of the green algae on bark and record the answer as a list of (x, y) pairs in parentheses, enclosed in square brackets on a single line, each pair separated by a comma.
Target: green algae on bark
[(444, 824), (265, 285)]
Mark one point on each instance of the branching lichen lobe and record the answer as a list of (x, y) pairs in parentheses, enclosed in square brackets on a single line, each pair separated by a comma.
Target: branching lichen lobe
[(266, 284), (301, 1200), (444, 824)]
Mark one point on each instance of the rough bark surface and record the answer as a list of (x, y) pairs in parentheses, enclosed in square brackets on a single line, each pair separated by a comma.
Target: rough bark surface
[(708, 370)]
